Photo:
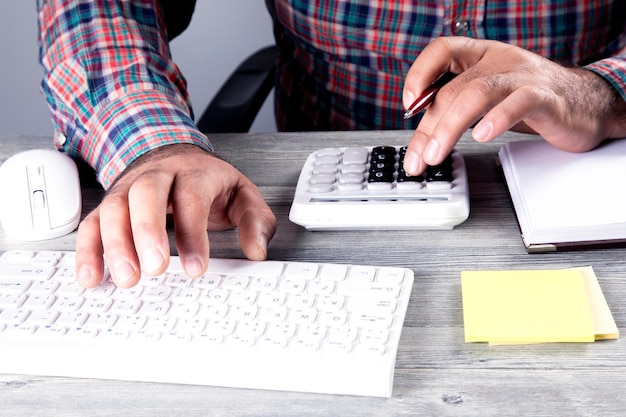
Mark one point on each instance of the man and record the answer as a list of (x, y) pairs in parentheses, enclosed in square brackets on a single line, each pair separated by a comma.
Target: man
[(120, 103)]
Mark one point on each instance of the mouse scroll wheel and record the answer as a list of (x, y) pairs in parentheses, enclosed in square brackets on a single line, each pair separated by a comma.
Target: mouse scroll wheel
[(39, 200), (37, 186)]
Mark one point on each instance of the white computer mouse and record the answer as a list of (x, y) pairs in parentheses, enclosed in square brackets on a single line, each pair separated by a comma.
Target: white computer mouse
[(40, 195)]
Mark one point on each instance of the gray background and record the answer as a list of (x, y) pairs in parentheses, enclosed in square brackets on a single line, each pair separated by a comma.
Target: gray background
[(221, 34)]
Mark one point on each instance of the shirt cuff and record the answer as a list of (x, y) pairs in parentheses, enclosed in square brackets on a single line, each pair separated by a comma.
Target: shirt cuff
[(128, 127), (613, 70)]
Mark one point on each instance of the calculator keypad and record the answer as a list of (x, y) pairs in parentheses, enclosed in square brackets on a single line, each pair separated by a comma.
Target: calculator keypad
[(356, 169)]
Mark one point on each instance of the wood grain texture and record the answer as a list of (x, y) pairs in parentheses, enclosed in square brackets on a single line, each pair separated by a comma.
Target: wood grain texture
[(437, 373)]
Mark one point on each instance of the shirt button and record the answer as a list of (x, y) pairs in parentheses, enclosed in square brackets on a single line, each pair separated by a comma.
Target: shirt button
[(461, 27), (60, 139)]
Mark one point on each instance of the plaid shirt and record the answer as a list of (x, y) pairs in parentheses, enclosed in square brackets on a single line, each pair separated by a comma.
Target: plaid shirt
[(115, 93)]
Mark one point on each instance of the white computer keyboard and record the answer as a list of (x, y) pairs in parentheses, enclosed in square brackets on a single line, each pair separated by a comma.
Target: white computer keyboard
[(363, 188), (310, 327)]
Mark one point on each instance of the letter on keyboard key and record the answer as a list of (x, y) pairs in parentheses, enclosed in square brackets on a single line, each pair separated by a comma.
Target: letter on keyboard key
[(102, 291), (319, 287), (160, 324), (303, 316), (71, 319), (101, 320), (97, 305), (331, 302), (207, 281), (178, 279), (220, 327), (235, 282), (333, 318), (65, 275), (125, 306), (293, 285), (131, 322), (160, 293)]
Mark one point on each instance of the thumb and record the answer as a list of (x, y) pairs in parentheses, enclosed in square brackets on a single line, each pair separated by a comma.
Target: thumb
[(255, 220), (256, 229)]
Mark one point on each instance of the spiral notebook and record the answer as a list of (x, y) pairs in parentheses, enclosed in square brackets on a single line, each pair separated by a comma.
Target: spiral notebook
[(567, 201)]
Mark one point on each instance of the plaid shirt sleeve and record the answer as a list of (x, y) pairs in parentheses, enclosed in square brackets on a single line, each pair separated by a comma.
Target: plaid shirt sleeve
[(109, 80), (613, 69)]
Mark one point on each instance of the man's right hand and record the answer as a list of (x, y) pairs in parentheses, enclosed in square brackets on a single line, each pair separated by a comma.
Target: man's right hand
[(202, 192)]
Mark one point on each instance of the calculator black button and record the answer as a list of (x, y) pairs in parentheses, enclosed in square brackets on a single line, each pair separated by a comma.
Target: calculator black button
[(438, 173), (382, 167), (383, 153), (380, 176), (404, 177)]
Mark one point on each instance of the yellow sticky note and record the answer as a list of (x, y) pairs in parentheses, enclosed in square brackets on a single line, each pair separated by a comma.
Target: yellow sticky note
[(535, 306), (603, 323)]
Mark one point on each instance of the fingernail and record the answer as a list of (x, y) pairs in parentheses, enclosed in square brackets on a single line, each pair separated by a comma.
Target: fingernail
[(409, 98), (412, 163), (193, 266), (123, 272), (263, 244), (431, 152), (151, 261), (84, 276), (482, 131)]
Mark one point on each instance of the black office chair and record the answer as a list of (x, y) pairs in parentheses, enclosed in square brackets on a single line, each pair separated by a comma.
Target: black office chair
[(236, 104)]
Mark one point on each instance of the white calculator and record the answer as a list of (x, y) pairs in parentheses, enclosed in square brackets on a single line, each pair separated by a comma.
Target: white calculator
[(366, 188)]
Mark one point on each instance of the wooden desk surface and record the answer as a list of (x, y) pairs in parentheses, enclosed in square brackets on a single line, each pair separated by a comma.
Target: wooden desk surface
[(437, 373)]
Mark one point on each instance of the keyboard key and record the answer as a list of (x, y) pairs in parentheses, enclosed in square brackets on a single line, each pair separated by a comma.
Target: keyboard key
[(26, 272), (13, 285)]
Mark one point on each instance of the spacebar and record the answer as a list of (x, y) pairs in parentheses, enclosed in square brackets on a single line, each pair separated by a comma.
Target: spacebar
[(266, 269)]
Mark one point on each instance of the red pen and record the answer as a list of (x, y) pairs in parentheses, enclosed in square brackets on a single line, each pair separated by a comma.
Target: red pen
[(428, 95)]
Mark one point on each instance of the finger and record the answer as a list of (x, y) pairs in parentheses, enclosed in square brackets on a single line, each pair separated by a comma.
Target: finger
[(413, 161), (473, 101), (445, 54), (509, 112), (191, 209), (117, 240), (89, 252), (255, 220), (457, 107), (147, 202)]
